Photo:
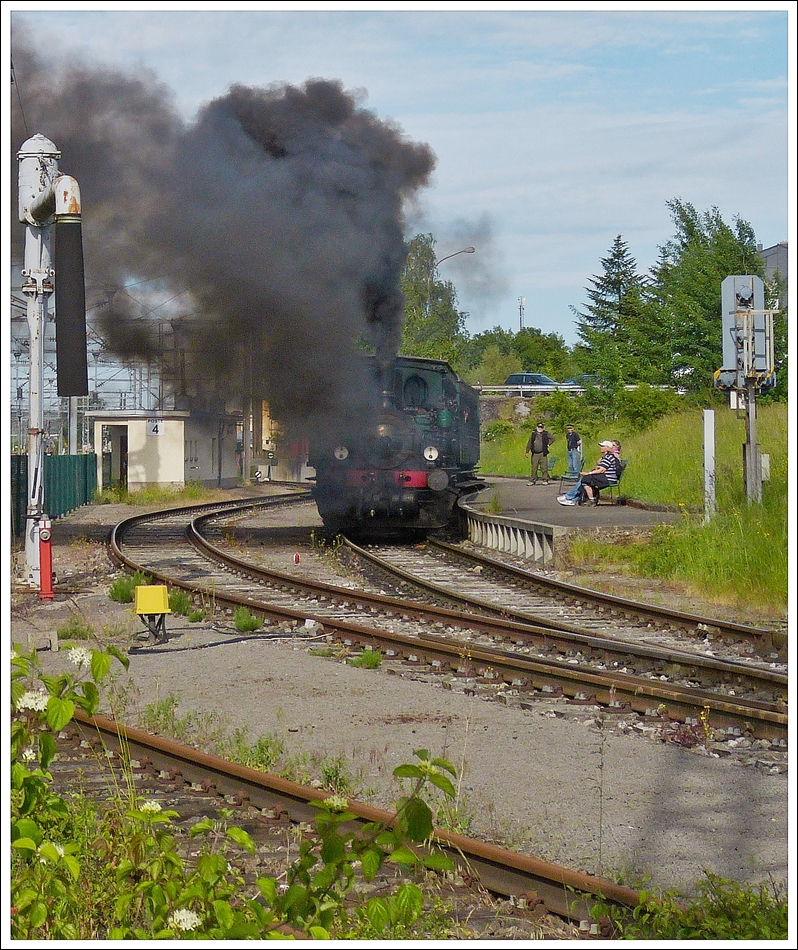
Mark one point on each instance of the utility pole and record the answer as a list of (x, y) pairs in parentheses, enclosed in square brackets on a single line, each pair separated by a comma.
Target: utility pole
[(521, 308)]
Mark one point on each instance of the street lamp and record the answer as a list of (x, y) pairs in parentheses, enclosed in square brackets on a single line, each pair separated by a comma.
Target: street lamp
[(464, 250)]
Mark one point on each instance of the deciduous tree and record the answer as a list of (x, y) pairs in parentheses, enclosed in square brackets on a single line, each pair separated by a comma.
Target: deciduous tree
[(434, 327)]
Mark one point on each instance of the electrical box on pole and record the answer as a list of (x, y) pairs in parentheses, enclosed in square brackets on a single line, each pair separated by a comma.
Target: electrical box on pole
[(747, 335), (748, 362)]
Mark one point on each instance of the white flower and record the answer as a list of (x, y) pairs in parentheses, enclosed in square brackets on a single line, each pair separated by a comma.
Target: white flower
[(35, 699), (336, 803), (151, 806), (60, 850), (81, 657), (28, 755), (182, 919), (14, 653)]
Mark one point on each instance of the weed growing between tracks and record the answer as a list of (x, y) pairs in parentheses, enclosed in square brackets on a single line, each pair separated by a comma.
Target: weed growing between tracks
[(723, 911), (78, 872)]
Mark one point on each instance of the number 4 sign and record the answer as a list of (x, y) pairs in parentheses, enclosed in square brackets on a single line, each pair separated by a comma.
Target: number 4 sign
[(154, 426)]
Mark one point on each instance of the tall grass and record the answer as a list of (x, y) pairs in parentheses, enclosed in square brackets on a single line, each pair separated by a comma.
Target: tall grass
[(154, 495), (740, 556)]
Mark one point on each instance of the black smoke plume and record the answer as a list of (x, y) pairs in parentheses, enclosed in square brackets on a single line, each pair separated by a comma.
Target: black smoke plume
[(273, 225)]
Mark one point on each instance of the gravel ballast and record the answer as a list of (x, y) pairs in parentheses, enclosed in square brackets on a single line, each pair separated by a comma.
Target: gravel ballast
[(562, 782)]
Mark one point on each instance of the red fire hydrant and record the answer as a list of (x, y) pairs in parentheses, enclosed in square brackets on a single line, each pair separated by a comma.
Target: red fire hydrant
[(45, 561)]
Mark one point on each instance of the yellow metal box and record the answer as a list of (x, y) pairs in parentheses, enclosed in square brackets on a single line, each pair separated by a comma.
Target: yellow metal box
[(152, 599)]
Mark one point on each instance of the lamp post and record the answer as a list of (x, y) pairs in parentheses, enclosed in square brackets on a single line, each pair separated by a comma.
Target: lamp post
[(464, 250)]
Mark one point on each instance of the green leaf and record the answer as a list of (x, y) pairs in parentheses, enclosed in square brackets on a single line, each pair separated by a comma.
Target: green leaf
[(403, 855), (377, 914), (59, 712), (46, 749), (446, 765), (26, 828), (48, 850), (116, 652), (100, 665), (211, 867), (223, 913), (24, 844), (38, 914), (442, 782), (370, 863), (332, 849), (201, 827), (89, 701), (318, 933), (417, 820), (242, 839), (389, 839), (268, 888), (72, 865), (408, 771), (439, 862), (410, 902)]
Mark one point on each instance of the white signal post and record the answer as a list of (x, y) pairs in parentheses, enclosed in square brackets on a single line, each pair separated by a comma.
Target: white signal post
[(44, 195)]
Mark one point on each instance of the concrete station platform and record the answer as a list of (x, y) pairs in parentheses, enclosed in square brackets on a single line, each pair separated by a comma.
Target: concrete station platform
[(538, 504)]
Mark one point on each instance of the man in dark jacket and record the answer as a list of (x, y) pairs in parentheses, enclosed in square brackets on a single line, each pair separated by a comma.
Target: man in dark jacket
[(538, 445)]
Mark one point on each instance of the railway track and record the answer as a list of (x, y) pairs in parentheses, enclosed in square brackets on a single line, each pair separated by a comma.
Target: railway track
[(510, 647), (99, 755)]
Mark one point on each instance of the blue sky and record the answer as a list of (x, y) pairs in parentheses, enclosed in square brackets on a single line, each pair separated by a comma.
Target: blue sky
[(555, 128)]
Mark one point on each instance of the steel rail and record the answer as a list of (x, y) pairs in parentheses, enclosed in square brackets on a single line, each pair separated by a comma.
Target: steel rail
[(617, 690), (761, 635), (519, 629), (566, 893)]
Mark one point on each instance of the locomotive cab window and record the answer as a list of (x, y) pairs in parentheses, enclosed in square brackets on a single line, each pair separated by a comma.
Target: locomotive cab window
[(414, 392)]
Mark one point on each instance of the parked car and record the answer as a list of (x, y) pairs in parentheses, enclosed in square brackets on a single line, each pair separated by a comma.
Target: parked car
[(584, 381), (530, 383)]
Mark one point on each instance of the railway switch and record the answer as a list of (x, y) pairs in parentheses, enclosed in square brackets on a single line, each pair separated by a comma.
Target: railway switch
[(152, 605)]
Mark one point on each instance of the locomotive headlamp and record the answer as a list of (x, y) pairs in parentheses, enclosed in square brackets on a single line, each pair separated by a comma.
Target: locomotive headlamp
[(341, 452), (437, 479), (430, 453)]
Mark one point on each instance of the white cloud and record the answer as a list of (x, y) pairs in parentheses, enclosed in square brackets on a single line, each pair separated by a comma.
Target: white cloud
[(555, 130)]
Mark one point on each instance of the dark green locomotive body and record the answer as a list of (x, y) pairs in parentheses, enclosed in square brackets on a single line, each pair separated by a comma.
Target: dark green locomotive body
[(402, 467)]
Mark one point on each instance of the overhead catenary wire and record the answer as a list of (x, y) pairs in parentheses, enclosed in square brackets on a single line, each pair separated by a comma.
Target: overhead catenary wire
[(15, 84)]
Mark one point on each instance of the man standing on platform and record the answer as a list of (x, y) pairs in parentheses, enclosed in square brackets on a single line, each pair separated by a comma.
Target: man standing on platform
[(538, 445), (574, 446)]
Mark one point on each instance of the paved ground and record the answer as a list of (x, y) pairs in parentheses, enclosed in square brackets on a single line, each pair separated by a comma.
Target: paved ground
[(538, 503)]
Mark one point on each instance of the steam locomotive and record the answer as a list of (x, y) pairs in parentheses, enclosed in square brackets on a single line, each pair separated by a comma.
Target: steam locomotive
[(401, 470)]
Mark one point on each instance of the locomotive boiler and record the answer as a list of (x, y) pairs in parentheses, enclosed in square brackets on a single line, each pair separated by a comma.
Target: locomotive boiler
[(402, 468)]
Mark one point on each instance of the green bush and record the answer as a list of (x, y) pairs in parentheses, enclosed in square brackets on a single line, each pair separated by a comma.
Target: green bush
[(122, 589), (180, 602), (497, 430), (367, 660), (723, 910), (75, 628), (638, 409), (244, 621)]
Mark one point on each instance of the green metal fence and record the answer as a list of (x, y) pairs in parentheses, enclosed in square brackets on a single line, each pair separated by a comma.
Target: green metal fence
[(69, 482)]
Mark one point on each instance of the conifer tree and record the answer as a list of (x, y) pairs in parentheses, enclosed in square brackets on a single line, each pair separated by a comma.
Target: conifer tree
[(608, 328)]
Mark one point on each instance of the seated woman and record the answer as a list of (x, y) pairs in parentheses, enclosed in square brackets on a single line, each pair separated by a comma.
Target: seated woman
[(605, 473)]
